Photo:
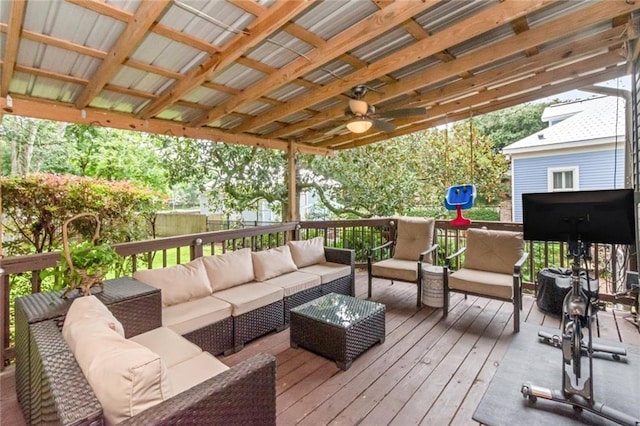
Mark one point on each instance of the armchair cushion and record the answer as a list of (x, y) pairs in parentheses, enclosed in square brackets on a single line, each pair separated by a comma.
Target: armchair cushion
[(493, 251), (307, 252), (491, 284), (273, 262), (415, 235), (397, 269), (229, 269), (179, 283)]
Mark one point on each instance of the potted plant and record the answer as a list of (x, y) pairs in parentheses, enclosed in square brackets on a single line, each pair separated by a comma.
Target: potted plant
[(83, 264)]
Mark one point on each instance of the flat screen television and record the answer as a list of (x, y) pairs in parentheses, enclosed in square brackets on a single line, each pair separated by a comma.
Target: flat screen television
[(605, 216)]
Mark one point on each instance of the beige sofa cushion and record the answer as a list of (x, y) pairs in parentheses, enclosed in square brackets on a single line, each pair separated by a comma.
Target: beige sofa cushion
[(492, 284), (195, 314), (493, 251), (169, 345), (307, 252), (194, 371), (415, 235), (126, 377), (248, 297), (179, 283), (328, 271), (229, 269), (87, 308), (273, 262), (294, 282), (402, 270)]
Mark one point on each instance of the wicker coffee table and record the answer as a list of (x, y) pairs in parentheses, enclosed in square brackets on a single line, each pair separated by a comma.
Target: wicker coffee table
[(338, 327)]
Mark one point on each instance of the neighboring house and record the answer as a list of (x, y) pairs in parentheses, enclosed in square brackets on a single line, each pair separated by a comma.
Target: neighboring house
[(582, 149)]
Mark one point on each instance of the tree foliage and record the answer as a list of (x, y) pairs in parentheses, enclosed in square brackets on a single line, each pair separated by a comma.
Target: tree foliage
[(42, 146), (36, 206), (509, 125)]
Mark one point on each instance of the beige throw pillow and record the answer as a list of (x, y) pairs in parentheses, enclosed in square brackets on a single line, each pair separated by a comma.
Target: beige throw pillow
[(273, 262), (415, 235), (307, 252), (229, 269), (179, 283), (89, 308), (493, 251)]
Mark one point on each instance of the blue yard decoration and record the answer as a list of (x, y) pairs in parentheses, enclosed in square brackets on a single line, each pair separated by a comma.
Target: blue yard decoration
[(460, 197)]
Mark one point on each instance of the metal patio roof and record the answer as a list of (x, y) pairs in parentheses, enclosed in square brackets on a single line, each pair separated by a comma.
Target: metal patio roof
[(274, 72)]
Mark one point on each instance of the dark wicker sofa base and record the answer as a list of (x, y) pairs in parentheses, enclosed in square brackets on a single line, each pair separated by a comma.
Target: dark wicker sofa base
[(256, 323), (214, 338), (244, 394)]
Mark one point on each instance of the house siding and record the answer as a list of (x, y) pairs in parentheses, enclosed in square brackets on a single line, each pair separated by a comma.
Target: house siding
[(596, 171)]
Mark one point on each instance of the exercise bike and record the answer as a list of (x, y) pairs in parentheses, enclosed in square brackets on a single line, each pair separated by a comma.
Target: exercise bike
[(577, 378)]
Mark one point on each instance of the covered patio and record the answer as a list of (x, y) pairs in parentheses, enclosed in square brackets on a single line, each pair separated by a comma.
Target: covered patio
[(430, 370), (291, 75)]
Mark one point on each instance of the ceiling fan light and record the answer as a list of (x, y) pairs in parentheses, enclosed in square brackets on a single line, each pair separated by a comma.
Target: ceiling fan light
[(359, 125)]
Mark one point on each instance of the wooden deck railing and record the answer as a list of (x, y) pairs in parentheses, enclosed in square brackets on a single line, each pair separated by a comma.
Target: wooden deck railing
[(359, 235)]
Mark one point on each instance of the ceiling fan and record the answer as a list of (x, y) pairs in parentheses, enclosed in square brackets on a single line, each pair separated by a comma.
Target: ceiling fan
[(363, 116)]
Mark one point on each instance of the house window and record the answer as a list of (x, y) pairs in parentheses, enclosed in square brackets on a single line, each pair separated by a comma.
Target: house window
[(562, 179)]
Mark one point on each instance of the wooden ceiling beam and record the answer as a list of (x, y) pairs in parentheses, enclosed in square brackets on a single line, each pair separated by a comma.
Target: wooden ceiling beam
[(534, 87), (105, 9), (578, 83), (501, 49), (11, 44), (486, 20), (52, 75), (58, 111), (469, 103), (278, 14), (372, 26), (127, 42)]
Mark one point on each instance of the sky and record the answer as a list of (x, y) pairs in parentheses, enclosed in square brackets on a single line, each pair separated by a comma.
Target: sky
[(621, 83)]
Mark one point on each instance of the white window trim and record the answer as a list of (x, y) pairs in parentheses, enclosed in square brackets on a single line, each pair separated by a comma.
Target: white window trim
[(576, 178)]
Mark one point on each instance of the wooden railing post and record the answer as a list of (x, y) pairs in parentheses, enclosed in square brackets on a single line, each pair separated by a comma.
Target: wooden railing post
[(196, 248)]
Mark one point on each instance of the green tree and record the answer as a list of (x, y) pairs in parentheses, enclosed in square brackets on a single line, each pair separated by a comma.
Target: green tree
[(35, 207), (454, 157), (506, 126)]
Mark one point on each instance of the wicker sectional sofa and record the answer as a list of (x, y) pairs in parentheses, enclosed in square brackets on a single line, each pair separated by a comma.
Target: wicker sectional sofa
[(80, 369), (222, 302)]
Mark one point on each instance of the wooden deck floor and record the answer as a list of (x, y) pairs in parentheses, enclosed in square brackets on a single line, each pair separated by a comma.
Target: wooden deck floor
[(428, 371)]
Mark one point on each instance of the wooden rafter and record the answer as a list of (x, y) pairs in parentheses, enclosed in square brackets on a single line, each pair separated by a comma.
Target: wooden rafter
[(11, 44), (260, 29), (370, 27), (129, 39), (530, 84), (482, 22), (502, 49), (409, 53), (551, 90), (96, 117)]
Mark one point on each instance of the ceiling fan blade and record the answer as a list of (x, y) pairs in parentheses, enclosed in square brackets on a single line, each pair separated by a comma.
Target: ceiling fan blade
[(403, 112), (336, 130), (385, 126)]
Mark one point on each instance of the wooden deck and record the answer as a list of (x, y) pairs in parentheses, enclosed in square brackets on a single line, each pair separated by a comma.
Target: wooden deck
[(429, 370)]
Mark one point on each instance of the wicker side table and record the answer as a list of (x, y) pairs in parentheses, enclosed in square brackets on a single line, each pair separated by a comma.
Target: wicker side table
[(136, 305), (338, 327)]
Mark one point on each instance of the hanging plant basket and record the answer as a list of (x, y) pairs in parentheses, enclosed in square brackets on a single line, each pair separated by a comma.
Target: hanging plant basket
[(84, 265)]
